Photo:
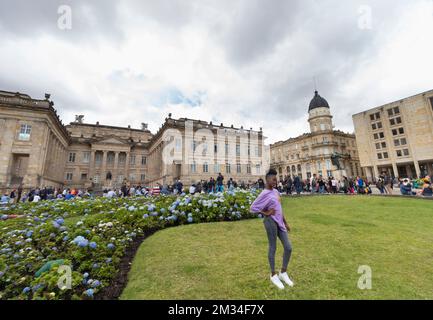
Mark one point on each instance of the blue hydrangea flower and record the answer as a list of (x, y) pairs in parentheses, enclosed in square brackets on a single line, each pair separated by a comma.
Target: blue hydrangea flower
[(93, 245), (145, 216), (81, 241), (85, 275), (95, 284), (89, 293), (190, 219), (26, 290), (110, 246)]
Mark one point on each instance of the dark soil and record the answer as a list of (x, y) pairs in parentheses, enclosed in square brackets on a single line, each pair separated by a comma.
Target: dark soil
[(114, 290)]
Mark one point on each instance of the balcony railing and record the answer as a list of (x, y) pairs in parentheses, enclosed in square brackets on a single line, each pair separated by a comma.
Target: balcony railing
[(324, 143)]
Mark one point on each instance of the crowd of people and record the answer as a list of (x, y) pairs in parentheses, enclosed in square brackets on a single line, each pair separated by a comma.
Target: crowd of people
[(317, 184), (41, 194)]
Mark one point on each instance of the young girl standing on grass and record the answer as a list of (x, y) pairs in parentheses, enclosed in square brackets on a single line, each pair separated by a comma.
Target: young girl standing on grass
[(269, 204)]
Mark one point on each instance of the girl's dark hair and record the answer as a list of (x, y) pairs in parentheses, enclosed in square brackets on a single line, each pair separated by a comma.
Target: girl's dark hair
[(271, 172)]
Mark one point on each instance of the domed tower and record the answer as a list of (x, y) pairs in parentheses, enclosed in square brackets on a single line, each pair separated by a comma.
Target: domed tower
[(320, 117)]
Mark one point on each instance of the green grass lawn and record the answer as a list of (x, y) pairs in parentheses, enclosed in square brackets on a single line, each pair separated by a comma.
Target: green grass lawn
[(331, 237)]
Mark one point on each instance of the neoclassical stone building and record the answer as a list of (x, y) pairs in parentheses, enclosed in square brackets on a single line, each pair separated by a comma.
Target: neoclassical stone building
[(33, 142), (316, 152), (37, 150)]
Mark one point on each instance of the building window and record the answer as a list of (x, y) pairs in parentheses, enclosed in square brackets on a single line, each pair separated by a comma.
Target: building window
[(120, 178), (84, 176), (71, 157), (193, 167), (96, 179), (248, 168), (238, 150), (406, 152), (385, 155), (143, 160), (216, 168), (122, 159), (431, 102), (396, 110), (377, 146), (205, 167), (399, 153), (132, 177), (401, 130), (228, 168), (86, 157), (98, 158), (257, 169), (396, 142), (110, 157), (379, 156), (142, 177), (132, 159), (215, 148), (69, 176), (238, 168), (25, 132), (227, 148), (403, 141)]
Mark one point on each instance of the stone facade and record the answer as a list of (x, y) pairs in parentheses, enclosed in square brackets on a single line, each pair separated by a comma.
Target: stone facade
[(37, 150), (33, 142), (194, 150), (312, 153), (397, 137)]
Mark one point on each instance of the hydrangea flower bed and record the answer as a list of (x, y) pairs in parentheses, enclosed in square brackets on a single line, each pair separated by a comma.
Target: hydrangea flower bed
[(91, 236)]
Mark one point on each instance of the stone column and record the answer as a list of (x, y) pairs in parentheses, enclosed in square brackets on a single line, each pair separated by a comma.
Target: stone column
[(417, 169), (376, 172), (104, 168), (127, 159), (115, 168), (92, 165), (395, 169)]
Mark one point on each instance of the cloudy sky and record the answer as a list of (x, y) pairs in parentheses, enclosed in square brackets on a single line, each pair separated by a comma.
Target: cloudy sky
[(246, 62)]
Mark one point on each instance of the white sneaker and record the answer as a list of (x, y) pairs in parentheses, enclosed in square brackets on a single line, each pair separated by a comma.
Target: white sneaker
[(276, 281), (285, 278)]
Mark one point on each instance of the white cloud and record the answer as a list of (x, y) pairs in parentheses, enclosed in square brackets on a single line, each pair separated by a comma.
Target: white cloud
[(251, 65)]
